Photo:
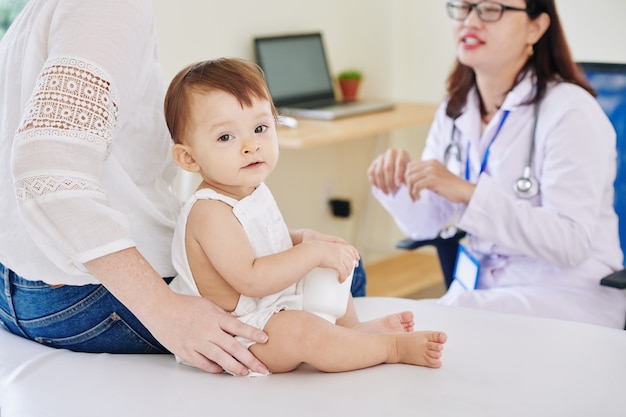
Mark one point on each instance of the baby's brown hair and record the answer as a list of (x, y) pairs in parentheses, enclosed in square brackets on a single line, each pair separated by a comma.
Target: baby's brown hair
[(243, 79)]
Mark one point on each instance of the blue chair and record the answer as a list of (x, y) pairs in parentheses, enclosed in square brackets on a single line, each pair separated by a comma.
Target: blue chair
[(609, 80), (447, 245)]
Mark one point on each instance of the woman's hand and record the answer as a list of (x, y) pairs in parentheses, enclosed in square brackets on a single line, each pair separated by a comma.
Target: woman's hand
[(394, 168), (191, 327), (201, 334), (433, 175), (387, 171)]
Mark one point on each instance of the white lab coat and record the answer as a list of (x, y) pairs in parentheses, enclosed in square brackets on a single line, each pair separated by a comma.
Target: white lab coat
[(543, 256)]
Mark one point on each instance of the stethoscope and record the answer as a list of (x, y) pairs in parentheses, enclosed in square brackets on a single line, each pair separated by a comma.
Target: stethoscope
[(526, 186)]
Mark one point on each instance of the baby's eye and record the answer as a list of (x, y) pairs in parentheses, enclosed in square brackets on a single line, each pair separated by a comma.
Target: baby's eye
[(260, 129), (225, 138)]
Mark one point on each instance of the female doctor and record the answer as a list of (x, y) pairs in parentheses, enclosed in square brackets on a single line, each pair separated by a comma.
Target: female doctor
[(522, 158)]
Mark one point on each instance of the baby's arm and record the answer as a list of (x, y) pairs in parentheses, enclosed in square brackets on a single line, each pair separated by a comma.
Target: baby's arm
[(299, 236), (214, 232)]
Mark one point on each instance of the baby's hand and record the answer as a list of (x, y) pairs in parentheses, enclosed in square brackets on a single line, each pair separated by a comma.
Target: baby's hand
[(308, 235), (338, 256), (332, 251)]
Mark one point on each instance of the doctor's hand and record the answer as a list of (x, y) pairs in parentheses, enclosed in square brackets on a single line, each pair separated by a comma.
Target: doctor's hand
[(387, 171), (433, 175)]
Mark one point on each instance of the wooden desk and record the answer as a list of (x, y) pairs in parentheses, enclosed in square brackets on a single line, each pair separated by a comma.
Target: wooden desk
[(310, 133)]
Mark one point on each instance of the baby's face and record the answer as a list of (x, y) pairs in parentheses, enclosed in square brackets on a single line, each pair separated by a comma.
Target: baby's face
[(235, 147)]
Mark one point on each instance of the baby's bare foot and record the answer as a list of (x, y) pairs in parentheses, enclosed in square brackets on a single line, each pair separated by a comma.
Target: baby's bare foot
[(419, 348), (393, 323)]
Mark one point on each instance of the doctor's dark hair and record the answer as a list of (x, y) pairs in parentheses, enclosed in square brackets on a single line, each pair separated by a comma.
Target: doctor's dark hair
[(551, 61), (242, 79)]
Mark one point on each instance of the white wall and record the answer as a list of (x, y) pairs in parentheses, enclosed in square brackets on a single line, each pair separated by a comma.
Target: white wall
[(595, 29), (404, 47)]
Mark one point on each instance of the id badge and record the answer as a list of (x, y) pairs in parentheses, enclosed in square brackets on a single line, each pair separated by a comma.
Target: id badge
[(466, 271)]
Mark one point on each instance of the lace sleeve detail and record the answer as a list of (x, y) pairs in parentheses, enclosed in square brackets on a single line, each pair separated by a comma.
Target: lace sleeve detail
[(59, 156), (72, 101), (73, 95)]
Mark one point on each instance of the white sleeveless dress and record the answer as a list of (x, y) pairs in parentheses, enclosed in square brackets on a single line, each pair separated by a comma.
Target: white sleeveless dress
[(262, 221)]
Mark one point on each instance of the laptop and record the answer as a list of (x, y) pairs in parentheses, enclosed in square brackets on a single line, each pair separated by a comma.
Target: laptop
[(298, 76)]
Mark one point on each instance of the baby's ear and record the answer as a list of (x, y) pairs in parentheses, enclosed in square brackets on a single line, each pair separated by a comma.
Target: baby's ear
[(184, 159)]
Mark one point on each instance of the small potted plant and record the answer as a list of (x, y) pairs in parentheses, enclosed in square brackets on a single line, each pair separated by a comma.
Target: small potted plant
[(349, 81)]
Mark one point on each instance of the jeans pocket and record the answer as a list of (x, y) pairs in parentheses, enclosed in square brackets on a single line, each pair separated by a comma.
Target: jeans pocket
[(112, 335), (7, 322), (80, 318)]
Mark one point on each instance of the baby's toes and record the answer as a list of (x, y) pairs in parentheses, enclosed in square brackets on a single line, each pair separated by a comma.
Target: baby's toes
[(438, 337), (434, 354), (433, 362), (434, 346)]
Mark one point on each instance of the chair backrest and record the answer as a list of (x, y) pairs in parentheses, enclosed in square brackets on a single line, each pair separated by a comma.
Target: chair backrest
[(609, 81)]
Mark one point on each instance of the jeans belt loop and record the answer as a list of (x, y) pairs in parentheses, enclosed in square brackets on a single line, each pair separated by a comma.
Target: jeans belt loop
[(5, 278)]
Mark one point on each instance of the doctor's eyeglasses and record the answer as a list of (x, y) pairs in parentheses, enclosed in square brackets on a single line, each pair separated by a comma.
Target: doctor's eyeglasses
[(487, 11)]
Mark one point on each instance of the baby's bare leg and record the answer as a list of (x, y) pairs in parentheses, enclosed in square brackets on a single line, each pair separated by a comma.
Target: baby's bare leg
[(297, 336), (392, 323), (399, 322)]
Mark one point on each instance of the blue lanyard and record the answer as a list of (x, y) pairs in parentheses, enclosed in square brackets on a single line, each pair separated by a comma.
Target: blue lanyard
[(483, 164)]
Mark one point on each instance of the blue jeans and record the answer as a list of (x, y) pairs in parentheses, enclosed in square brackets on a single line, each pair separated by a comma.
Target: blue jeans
[(83, 318), (359, 281)]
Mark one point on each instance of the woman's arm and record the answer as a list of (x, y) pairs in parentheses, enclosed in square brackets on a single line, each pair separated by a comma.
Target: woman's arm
[(191, 327)]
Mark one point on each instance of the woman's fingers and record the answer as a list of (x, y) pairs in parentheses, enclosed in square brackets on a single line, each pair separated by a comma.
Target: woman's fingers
[(387, 170)]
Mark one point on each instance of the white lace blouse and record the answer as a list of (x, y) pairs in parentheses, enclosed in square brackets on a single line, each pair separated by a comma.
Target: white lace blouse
[(86, 167)]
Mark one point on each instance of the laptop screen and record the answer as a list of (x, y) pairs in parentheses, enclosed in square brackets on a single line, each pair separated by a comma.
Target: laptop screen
[(295, 68)]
